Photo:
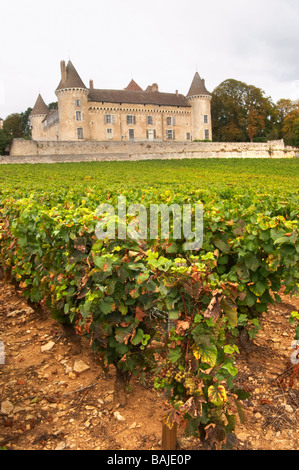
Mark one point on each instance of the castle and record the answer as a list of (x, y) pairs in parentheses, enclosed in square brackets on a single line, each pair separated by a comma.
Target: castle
[(130, 114)]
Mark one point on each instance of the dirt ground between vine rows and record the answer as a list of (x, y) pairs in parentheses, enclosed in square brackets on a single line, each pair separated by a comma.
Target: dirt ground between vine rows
[(48, 404)]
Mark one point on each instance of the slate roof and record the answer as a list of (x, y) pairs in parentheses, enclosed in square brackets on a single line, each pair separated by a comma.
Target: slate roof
[(40, 107), (197, 87), (137, 97), (133, 86), (72, 79), (52, 117), (133, 93)]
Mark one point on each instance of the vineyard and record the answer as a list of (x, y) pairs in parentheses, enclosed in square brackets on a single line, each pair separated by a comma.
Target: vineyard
[(154, 311)]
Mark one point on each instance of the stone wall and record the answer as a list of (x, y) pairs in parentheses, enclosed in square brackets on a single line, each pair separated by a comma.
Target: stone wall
[(24, 150)]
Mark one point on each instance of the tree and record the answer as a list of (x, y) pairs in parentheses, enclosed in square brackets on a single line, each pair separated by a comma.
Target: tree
[(5, 140), (255, 122), (17, 125), (290, 127), (243, 110), (13, 125), (26, 125), (285, 107), (227, 117), (53, 105)]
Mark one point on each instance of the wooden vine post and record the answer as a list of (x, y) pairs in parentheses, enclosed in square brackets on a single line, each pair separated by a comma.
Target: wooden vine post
[(169, 437)]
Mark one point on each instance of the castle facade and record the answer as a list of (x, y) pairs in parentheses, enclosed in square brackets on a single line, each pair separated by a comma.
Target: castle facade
[(130, 114)]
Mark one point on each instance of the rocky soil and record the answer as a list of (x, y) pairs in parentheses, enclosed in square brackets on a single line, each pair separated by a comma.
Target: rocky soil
[(55, 396)]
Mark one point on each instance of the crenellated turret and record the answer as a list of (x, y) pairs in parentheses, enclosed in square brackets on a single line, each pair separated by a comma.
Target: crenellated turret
[(200, 100), (72, 97)]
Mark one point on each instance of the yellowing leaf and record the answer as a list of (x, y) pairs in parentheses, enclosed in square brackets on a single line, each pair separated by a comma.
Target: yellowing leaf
[(217, 395), (230, 311), (206, 354)]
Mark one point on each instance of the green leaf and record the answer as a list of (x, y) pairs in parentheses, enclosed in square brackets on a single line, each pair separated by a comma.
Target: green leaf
[(230, 368), (123, 308), (175, 354), (121, 349), (284, 239), (252, 263), (221, 244), (241, 393), (259, 287), (173, 314), (228, 349), (138, 337), (249, 300), (106, 305), (242, 272)]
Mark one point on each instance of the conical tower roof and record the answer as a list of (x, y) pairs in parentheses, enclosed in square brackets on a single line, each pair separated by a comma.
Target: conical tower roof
[(197, 87), (69, 77), (40, 107)]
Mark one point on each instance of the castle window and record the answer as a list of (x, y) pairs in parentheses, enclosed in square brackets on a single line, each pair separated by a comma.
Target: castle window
[(205, 119), (170, 135), (78, 116), (80, 133), (109, 134), (207, 134), (188, 136), (170, 121), (109, 119), (150, 120), (131, 119), (78, 102), (131, 134)]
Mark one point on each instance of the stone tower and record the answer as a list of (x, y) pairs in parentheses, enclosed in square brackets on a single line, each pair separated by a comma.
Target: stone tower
[(200, 100), (39, 112), (72, 105)]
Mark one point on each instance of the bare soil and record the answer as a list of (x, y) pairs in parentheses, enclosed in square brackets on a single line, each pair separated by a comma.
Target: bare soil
[(47, 403)]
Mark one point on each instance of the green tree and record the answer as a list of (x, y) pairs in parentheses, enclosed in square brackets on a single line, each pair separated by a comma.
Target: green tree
[(5, 140), (13, 125), (241, 112), (26, 125), (53, 105), (290, 127), (16, 126)]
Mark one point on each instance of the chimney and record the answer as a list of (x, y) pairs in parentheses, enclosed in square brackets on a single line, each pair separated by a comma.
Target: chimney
[(91, 84), (177, 92), (155, 87), (63, 70)]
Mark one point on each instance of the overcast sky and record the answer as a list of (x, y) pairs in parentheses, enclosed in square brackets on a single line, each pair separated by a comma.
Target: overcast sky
[(163, 41)]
